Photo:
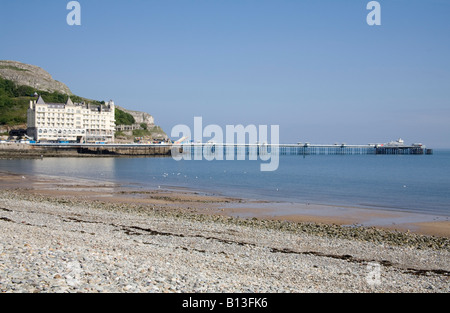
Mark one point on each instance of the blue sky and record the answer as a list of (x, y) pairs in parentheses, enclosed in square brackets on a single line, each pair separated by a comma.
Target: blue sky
[(313, 67)]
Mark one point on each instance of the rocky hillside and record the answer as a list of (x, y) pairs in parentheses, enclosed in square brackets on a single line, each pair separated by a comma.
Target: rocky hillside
[(19, 82), (140, 117), (33, 76), (142, 125)]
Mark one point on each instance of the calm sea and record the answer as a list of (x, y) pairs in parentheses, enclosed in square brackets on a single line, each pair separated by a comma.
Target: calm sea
[(395, 182)]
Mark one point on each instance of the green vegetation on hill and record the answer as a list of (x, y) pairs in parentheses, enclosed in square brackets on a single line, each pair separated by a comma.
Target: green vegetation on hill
[(14, 101), (153, 132), (123, 118)]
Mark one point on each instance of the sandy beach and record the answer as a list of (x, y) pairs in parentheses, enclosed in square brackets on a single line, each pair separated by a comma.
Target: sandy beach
[(73, 235), (179, 198)]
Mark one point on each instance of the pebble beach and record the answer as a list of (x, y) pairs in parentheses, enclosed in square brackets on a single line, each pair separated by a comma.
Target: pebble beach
[(67, 243)]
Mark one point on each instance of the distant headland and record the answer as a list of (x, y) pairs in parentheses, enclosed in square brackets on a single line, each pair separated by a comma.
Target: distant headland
[(21, 83)]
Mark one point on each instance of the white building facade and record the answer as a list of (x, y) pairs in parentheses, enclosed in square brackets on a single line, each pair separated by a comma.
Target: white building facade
[(71, 122)]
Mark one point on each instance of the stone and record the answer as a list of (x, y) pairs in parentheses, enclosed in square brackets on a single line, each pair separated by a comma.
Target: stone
[(31, 75)]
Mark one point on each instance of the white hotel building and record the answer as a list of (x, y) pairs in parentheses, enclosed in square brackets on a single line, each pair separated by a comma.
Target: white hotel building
[(73, 122)]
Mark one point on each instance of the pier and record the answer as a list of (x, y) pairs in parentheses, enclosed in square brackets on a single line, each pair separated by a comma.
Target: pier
[(212, 150), (216, 149)]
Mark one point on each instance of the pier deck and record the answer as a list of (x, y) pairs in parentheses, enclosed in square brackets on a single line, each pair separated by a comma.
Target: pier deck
[(296, 149), (205, 149)]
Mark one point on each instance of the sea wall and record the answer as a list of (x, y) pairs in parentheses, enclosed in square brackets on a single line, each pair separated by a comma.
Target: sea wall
[(16, 150)]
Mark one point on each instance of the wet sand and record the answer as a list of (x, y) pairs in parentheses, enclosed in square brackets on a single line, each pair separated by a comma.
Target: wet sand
[(74, 235), (182, 199)]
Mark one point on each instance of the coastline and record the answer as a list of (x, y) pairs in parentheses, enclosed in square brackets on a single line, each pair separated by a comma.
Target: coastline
[(74, 235), (200, 202), (27, 151)]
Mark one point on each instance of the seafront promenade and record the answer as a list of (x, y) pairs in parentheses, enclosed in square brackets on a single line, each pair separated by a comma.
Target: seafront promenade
[(18, 150)]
